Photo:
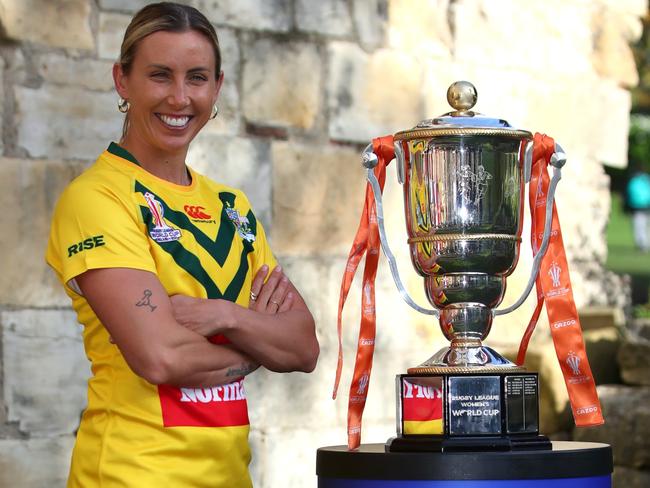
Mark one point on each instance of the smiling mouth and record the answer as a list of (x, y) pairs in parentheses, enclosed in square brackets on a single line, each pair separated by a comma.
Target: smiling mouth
[(176, 122)]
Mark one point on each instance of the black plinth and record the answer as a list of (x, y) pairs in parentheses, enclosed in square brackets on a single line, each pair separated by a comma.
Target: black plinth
[(566, 465)]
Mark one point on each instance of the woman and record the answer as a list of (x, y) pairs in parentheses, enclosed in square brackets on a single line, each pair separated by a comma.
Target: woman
[(166, 270)]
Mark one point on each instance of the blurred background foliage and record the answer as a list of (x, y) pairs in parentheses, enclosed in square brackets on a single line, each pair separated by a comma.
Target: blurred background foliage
[(623, 257)]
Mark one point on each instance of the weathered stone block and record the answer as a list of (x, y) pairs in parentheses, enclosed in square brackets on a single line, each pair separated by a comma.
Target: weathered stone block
[(58, 69), (639, 330), (603, 345), (229, 117), (328, 17), (59, 24), (66, 122), (634, 360), (548, 30), (110, 35), (372, 95), (240, 163), (270, 447), (271, 15), (627, 425), (601, 317), (2, 97), (370, 22), (636, 7), (127, 5), (281, 83), (613, 32), (36, 462), (45, 370), (30, 189), (420, 27), (315, 217)]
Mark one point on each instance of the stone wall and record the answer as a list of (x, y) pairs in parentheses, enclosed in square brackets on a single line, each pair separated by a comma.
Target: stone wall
[(308, 84), (625, 406)]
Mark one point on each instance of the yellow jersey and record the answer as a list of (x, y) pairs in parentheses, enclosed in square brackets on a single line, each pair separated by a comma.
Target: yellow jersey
[(201, 240)]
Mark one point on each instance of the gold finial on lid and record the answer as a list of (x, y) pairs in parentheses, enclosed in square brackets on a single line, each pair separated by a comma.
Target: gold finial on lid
[(462, 96)]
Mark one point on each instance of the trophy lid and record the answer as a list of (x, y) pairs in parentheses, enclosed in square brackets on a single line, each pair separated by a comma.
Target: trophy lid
[(462, 96)]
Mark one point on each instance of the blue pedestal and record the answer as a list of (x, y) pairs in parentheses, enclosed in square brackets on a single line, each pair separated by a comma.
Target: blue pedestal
[(567, 465)]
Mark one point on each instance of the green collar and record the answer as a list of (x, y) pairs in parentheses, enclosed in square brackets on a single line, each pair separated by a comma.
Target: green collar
[(119, 151)]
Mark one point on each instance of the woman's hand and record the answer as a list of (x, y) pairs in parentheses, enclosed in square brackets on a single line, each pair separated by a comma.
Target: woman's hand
[(203, 316), (274, 295)]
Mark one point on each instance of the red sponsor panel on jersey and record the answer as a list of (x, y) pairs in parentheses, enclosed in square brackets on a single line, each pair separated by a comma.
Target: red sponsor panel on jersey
[(217, 406)]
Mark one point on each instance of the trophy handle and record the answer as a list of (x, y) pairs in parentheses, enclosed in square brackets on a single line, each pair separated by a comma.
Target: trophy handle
[(558, 159), (369, 162)]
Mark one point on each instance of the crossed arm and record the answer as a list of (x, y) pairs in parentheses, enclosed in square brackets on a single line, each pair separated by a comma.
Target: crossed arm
[(163, 349)]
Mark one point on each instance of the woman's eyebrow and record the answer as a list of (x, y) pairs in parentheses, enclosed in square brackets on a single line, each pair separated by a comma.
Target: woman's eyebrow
[(167, 68)]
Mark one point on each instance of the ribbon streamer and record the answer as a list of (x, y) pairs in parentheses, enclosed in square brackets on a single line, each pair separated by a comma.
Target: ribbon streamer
[(554, 289), (365, 242)]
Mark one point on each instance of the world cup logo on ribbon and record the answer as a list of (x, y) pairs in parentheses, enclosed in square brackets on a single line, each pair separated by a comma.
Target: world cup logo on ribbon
[(574, 363), (363, 384), (368, 308), (554, 272)]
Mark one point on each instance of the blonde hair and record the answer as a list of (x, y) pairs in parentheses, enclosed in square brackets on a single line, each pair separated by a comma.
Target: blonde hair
[(164, 16)]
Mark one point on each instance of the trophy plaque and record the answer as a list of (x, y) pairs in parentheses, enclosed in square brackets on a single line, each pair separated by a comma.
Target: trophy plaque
[(463, 177)]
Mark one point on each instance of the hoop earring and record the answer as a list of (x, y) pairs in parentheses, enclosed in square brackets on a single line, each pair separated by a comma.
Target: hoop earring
[(123, 105), (215, 111)]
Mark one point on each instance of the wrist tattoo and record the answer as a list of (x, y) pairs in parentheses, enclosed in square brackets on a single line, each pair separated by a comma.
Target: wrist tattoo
[(145, 301), (242, 370)]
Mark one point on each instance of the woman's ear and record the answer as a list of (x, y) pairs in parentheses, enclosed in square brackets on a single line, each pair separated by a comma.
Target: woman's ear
[(119, 78), (217, 87)]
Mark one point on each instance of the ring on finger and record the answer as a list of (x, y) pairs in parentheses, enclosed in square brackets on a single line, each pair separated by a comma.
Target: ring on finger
[(253, 296), (275, 303)]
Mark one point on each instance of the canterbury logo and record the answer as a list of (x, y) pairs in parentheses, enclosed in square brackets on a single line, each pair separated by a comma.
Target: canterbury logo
[(196, 212)]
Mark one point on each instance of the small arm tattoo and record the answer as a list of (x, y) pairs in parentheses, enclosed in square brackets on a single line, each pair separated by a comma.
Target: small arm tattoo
[(145, 301), (242, 370)]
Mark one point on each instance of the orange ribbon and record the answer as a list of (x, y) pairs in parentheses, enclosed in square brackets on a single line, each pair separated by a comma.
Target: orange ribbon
[(365, 242), (554, 288)]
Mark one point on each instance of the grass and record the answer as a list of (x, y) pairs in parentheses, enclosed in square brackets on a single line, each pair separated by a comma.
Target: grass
[(622, 256)]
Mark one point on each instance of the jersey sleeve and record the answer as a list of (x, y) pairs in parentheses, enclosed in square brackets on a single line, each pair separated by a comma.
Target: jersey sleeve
[(94, 228), (262, 253)]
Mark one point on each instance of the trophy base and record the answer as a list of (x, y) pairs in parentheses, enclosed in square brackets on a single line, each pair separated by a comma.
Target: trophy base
[(465, 357), (479, 410)]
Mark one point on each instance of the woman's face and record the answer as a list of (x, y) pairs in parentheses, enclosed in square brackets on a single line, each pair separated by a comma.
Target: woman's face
[(171, 89)]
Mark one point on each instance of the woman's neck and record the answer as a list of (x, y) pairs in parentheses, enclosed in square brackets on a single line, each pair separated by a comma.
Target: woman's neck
[(165, 165)]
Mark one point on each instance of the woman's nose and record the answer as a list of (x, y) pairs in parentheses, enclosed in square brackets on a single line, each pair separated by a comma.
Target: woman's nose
[(178, 95)]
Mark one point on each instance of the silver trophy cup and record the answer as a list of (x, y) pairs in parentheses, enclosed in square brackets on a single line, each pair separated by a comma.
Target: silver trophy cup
[(463, 176)]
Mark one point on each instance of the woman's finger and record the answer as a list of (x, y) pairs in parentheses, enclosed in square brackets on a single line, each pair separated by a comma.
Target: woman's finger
[(279, 294), (286, 304), (258, 283), (268, 288)]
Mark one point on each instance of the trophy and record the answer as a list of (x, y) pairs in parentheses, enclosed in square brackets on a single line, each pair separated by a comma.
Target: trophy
[(463, 177)]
